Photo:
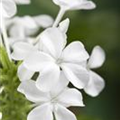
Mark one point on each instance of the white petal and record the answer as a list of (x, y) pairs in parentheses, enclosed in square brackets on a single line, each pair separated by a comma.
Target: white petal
[(42, 112), (24, 73), (7, 8), (61, 113), (54, 40), (29, 22), (37, 61), (71, 97), (67, 4), (32, 93), (48, 78), (64, 25), (75, 5), (76, 74), (75, 52), (17, 31), (95, 85), (21, 50), (23, 1), (87, 5), (97, 57), (60, 86), (43, 20)]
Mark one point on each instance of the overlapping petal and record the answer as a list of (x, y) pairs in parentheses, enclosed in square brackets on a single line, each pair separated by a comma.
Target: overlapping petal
[(32, 93), (24, 73), (48, 78), (76, 74), (95, 85), (60, 86), (42, 112), (71, 97), (54, 41), (75, 52), (62, 113), (21, 50), (37, 61)]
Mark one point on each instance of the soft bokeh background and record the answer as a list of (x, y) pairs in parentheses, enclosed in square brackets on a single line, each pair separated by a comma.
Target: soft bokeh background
[(96, 27)]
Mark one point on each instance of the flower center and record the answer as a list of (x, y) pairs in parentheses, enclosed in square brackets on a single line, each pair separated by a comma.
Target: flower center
[(59, 61)]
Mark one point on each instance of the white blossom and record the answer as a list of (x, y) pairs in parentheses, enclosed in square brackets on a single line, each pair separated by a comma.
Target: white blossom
[(54, 102), (96, 83), (7, 8), (54, 57), (75, 4), (23, 46)]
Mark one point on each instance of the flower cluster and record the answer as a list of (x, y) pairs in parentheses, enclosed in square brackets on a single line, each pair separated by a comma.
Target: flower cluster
[(48, 63)]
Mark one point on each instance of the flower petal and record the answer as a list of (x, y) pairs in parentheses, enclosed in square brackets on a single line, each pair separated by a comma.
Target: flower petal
[(37, 61), (75, 5), (75, 52), (21, 50), (54, 40), (63, 26), (86, 5), (48, 78), (61, 113), (7, 8), (95, 85), (43, 20), (97, 57), (76, 74), (32, 93), (71, 97), (60, 86), (42, 112), (23, 1), (24, 73)]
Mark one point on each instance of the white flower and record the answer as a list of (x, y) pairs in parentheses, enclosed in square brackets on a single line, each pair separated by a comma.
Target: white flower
[(55, 57), (22, 1), (53, 102), (23, 46), (27, 25), (7, 8), (0, 116), (96, 83), (75, 4)]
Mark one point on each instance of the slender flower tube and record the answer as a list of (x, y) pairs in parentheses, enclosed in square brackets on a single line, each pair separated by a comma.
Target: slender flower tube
[(66, 5)]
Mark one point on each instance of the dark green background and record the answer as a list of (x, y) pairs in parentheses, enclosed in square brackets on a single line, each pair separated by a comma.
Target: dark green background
[(96, 27)]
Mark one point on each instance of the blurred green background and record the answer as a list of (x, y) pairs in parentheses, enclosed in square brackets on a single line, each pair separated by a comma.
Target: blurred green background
[(95, 27)]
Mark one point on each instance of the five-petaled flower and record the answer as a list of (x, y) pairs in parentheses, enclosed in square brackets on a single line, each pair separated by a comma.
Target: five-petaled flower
[(53, 102), (54, 56)]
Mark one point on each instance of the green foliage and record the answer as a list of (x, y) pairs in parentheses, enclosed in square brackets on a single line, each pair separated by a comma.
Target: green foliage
[(13, 105)]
